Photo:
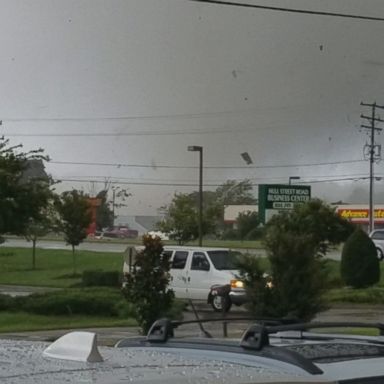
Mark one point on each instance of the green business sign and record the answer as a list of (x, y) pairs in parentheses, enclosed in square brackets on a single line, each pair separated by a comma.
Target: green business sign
[(274, 198)]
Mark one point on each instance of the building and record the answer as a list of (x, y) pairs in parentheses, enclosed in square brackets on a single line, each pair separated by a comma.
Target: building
[(232, 212), (359, 214)]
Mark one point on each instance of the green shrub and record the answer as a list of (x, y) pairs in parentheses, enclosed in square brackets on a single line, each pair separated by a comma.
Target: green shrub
[(254, 234), (359, 266), (99, 278), (147, 284), (230, 234), (6, 303), (371, 295), (332, 270), (97, 302)]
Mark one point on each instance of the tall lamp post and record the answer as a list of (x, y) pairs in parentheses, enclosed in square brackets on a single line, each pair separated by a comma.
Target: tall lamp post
[(196, 148)]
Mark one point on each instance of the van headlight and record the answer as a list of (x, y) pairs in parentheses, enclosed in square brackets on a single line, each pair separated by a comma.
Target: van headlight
[(237, 283)]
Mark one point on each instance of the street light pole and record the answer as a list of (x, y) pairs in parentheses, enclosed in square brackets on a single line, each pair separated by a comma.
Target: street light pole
[(196, 148)]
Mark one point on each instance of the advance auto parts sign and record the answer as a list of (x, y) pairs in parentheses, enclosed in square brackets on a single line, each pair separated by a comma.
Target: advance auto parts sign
[(274, 198)]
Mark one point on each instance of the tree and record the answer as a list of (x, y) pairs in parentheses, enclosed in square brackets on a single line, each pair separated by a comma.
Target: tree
[(181, 216), (295, 242), (233, 192), (317, 220), (23, 194), (247, 223), (75, 217), (147, 284), (104, 214), (181, 219), (119, 196), (39, 228), (360, 266)]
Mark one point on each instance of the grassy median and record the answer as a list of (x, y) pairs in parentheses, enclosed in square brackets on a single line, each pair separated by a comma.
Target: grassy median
[(76, 306), (54, 268), (73, 305)]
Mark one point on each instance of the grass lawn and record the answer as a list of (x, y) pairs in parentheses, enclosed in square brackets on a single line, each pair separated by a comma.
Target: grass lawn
[(54, 268)]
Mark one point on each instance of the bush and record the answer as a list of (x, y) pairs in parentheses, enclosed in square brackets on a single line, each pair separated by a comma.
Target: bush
[(359, 266), (372, 295), (261, 300), (147, 284), (255, 234), (299, 277), (6, 302), (99, 278), (296, 242), (96, 302), (230, 234)]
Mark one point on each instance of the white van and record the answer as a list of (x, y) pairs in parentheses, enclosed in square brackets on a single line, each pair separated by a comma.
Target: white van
[(195, 271)]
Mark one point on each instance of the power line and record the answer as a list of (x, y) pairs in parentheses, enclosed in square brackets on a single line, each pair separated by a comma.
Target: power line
[(119, 165), (290, 10), (177, 184), (314, 181), (134, 133), (126, 117), (212, 182)]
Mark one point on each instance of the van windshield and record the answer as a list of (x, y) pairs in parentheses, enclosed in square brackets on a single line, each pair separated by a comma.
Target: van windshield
[(223, 259)]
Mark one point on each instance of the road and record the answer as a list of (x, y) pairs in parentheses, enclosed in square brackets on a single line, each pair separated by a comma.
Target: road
[(58, 244), (110, 336), (115, 247)]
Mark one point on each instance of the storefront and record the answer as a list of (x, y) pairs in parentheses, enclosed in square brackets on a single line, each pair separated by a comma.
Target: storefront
[(359, 214)]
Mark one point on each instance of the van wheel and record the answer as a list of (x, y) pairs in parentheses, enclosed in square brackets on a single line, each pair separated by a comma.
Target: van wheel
[(380, 255), (217, 303)]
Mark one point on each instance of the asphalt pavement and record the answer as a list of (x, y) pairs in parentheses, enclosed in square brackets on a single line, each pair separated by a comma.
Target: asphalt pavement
[(110, 336), (118, 247)]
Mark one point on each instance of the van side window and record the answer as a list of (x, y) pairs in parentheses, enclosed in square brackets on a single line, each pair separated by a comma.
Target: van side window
[(199, 262), (167, 253), (179, 260)]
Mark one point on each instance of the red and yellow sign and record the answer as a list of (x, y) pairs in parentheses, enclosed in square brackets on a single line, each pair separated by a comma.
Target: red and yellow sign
[(360, 215)]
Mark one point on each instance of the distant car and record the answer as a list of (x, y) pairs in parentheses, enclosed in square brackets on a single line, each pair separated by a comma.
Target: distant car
[(268, 352), (377, 237), (120, 232), (161, 235)]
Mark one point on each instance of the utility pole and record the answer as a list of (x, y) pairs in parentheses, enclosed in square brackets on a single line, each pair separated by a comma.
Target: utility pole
[(198, 148), (372, 151)]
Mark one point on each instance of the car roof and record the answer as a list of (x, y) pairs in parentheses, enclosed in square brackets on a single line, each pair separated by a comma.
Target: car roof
[(270, 351), (24, 362), (138, 248), (193, 248)]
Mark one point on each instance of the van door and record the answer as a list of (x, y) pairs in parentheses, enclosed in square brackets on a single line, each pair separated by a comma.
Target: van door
[(179, 274), (199, 276)]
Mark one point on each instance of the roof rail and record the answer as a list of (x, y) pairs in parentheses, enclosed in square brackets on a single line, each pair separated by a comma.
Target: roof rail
[(160, 331), (319, 325), (255, 337)]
